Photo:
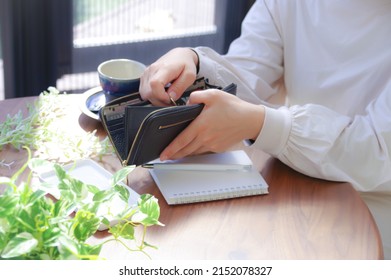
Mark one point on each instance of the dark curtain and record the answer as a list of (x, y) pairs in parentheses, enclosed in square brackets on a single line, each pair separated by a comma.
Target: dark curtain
[(236, 11), (36, 42)]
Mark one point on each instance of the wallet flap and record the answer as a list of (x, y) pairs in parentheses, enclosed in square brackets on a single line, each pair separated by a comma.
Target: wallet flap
[(158, 129), (134, 117)]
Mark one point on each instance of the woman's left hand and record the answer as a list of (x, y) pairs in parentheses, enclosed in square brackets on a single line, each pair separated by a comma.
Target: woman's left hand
[(225, 121)]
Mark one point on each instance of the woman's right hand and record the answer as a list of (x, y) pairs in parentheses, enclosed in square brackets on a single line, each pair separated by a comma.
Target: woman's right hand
[(176, 69)]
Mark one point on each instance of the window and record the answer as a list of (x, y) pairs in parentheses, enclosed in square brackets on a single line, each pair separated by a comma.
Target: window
[(127, 21), (61, 43), (135, 29)]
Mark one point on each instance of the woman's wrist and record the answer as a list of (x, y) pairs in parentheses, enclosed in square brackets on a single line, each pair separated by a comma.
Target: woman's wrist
[(256, 119), (196, 60)]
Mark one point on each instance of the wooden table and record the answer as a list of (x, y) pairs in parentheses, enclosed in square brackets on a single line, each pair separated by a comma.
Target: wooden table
[(301, 217)]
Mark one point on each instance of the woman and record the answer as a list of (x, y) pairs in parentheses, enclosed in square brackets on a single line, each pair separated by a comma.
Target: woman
[(334, 58)]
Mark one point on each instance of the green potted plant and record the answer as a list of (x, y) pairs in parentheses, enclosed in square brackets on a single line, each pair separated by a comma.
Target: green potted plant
[(36, 226)]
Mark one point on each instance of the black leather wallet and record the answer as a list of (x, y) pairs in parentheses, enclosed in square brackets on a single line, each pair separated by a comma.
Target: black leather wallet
[(140, 131)]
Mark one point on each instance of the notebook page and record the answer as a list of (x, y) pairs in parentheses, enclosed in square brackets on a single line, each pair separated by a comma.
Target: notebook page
[(182, 186)]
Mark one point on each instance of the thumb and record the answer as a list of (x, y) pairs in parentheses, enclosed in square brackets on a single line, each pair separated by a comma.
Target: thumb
[(197, 97)]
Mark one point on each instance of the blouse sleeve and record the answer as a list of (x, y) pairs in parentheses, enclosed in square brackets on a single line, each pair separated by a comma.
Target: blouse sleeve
[(322, 143), (256, 70), (312, 139)]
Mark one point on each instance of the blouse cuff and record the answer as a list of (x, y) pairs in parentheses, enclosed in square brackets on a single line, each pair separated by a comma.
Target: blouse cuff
[(275, 131)]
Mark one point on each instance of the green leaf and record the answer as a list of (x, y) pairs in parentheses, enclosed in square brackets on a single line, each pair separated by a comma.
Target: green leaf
[(105, 221), (93, 189), (35, 196), (21, 244), (26, 221), (68, 248), (63, 208), (39, 166), (4, 225), (60, 172), (121, 175), (66, 193), (86, 224), (3, 240), (103, 196), (50, 237), (70, 188), (123, 192), (25, 193), (149, 211), (71, 249), (79, 189), (87, 251), (8, 204), (124, 230), (92, 207)]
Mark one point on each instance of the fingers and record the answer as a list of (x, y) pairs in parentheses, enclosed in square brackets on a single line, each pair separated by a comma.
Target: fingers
[(184, 144), (153, 82), (224, 121), (176, 68), (189, 142), (180, 84)]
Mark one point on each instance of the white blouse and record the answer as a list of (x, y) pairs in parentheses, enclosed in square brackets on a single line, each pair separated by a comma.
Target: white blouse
[(335, 60)]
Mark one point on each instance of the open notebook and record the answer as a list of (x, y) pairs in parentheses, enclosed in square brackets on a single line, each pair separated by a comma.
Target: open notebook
[(184, 185)]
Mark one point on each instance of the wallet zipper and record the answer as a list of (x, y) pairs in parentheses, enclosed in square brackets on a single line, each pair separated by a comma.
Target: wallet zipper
[(125, 162), (174, 124)]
